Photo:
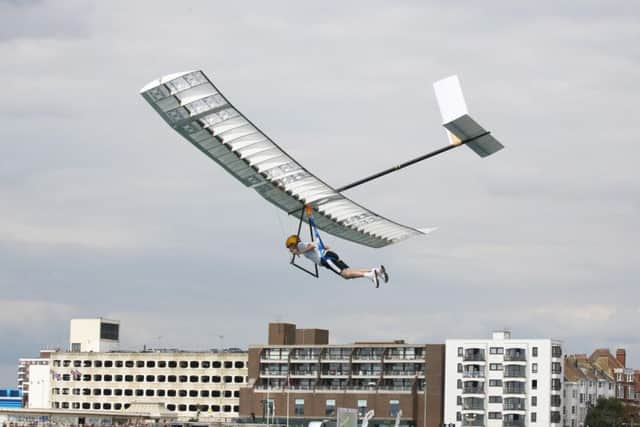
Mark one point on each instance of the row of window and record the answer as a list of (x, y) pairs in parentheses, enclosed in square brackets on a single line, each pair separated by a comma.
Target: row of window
[(193, 364), (107, 406), (556, 351), (144, 392), (499, 399), (153, 378), (556, 384), (330, 407)]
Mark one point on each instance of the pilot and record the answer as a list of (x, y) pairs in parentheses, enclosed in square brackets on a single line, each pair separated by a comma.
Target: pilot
[(333, 262)]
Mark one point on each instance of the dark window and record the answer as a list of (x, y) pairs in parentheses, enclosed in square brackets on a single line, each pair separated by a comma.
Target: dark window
[(117, 392), (236, 393), (108, 363), (129, 363), (193, 379), (182, 393), (117, 406), (150, 378), (204, 379), (238, 379), (86, 363), (107, 392), (148, 392), (139, 363), (77, 363), (215, 393), (215, 379), (228, 379), (97, 377), (171, 378), (108, 378), (97, 364), (227, 393), (97, 391), (206, 364), (215, 408), (109, 331), (236, 408), (184, 364), (139, 378), (118, 378), (171, 393), (182, 408), (171, 407), (204, 393), (216, 364), (534, 351), (194, 364), (228, 364), (128, 392), (193, 408), (139, 392), (119, 363), (173, 364), (106, 406), (183, 378), (160, 393), (161, 378), (226, 408), (162, 364), (534, 384), (239, 364), (86, 405), (96, 406), (151, 364)]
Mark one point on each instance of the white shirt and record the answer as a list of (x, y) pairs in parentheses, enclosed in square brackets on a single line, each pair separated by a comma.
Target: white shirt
[(313, 255)]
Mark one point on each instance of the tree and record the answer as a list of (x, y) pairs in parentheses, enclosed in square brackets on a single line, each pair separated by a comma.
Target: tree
[(611, 412)]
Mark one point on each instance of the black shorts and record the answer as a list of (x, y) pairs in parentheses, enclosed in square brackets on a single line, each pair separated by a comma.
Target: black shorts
[(333, 262)]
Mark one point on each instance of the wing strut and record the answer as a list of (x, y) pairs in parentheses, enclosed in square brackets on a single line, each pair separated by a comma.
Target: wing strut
[(314, 273)]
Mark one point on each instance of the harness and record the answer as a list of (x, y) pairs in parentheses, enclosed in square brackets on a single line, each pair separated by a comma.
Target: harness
[(315, 237)]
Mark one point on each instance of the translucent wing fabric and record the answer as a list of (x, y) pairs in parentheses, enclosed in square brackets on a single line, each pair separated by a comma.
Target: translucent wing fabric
[(194, 107)]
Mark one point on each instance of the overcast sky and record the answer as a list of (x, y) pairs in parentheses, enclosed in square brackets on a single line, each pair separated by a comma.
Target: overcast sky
[(105, 211)]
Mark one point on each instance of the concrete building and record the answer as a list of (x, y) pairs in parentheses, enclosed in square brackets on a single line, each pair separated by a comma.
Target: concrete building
[(298, 377), (39, 386), (503, 382), (584, 384), (24, 365), (94, 335)]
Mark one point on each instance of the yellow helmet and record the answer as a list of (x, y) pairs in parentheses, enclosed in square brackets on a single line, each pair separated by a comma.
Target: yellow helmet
[(292, 240)]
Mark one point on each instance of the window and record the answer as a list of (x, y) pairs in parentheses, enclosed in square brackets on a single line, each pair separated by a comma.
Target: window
[(556, 351), (128, 364), (459, 367), (215, 393), (228, 364), (194, 364), (394, 407), (495, 383), (534, 384), (555, 384), (496, 350), (128, 392), (184, 364), (117, 392), (205, 364), (556, 400), (128, 378), (495, 415), (151, 364), (238, 379), (108, 378), (160, 393), (495, 399), (534, 352), (534, 401), (139, 378), (459, 386), (227, 393), (239, 364), (495, 366), (534, 417), (108, 363), (216, 364), (173, 364), (171, 393), (534, 368), (97, 364), (204, 393), (458, 416), (459, 400), (556, 368), (298, 408), (362, 408), (161, 378), (75, 347)]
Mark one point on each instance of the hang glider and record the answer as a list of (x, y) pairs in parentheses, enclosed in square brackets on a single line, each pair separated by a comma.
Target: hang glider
[(197, 110)]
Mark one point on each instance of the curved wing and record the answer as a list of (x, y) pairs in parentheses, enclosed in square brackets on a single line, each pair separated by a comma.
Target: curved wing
[(194, 107)]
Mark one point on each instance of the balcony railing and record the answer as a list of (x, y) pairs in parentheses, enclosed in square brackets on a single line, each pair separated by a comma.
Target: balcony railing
[(398, 373), (515, 356), (507, 423), (513, 390), (334, 372), (273, 373), (510, 372), (473, 357), (367, 373), (473, 374), (473, 422), (375, 357), (473, 390), (473, 406)]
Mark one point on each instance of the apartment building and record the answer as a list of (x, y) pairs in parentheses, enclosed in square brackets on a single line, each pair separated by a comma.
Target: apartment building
[(298, 377), (584, 384), (503, 382)]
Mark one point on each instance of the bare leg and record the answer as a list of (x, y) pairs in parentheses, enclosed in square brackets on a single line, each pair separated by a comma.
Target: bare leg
[(354, 273)]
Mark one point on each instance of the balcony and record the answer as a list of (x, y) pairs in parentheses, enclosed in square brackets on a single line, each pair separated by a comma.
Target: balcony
[(367, 357), (395, 389), (273, 374), (514, 404), (515, 355), (400, 373), (473, 355), (515, 371), (475, 373), (473, 404), (473, 420), (304, 358), (513, 390), (303, 374), (366, 374), (334, 373), (473, 390), (512, 423), (273, 359)]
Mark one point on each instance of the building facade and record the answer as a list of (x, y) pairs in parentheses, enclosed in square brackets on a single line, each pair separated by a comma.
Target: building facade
[(298, 377), (584, 384), (96, 334), (503, 382), (616, 367), (189, 384), (24, 365)]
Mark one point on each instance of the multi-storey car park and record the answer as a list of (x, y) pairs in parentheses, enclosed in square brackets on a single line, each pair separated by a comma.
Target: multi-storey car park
[(192, 384)]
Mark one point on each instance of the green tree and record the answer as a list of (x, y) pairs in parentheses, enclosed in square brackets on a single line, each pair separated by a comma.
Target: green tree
[(611, 412)]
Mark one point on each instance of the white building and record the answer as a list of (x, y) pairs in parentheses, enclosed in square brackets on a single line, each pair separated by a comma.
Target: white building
[(189, 384), (503, 382), (24, 366), (94, 335), (39, 385)]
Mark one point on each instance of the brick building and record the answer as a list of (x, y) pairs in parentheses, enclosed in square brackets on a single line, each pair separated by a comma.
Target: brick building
[(299, 376)]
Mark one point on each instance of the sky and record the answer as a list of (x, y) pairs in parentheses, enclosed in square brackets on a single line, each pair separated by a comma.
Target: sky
[(107, 212)]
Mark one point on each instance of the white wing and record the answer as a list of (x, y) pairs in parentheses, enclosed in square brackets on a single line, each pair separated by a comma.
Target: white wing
[(196, 109)]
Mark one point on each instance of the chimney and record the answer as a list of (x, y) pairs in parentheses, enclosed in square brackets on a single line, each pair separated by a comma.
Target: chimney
[(621, 356)]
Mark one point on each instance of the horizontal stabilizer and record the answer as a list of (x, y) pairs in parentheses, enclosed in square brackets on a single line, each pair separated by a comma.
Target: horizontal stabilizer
[(461, 128)]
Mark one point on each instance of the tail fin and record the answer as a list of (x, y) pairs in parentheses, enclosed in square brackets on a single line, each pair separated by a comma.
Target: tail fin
[(461, 128)]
